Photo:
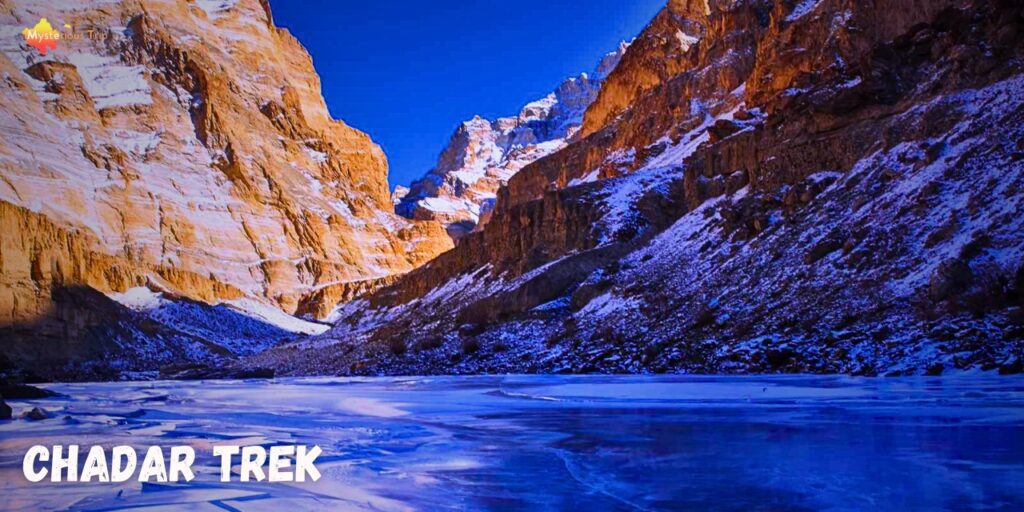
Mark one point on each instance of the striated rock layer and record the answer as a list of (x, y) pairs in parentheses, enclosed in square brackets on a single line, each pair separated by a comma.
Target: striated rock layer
[(183, 146), (482, 155), (804, 186)]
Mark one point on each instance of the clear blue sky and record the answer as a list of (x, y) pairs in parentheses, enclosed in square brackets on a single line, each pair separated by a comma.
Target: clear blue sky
[(409, 71)]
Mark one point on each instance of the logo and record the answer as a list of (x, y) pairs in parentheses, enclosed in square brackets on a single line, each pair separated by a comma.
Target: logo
[(42, 36)]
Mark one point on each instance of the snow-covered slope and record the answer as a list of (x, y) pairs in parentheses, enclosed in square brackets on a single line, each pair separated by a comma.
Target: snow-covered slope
[(482, 155), (827, 188)]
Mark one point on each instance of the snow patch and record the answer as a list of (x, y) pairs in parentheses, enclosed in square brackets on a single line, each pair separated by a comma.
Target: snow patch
[(318, 157), (802, 9), (138, 144), (590, 177), (449, 206), (276, 317), (216, 8), (138, 299), (110, 83)]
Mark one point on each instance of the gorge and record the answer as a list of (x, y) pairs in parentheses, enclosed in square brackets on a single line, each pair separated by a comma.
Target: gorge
[(813, 186)]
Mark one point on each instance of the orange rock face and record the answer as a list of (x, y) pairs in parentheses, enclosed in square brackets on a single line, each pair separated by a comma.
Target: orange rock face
[(185, 144), (658, 54)]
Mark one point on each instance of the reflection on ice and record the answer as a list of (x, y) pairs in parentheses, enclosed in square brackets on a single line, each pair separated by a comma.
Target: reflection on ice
[(553, 443)]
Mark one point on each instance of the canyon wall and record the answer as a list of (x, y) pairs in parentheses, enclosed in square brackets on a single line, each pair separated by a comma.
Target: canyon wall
[(802, 186), (184, 147)]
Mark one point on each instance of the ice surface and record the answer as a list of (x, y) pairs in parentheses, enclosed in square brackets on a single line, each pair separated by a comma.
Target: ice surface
[(547, 443)]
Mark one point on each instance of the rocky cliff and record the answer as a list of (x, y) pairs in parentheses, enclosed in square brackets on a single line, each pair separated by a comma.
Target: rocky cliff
[(482, 155), (799, 186), (183, 147)]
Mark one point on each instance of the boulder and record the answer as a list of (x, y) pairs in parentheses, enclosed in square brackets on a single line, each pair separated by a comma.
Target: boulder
[(25, 392), (37, 414), (1014, 367), (952, 277)]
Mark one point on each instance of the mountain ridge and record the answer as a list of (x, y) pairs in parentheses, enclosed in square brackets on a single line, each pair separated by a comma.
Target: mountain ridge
[(805, 187), (482, 155)]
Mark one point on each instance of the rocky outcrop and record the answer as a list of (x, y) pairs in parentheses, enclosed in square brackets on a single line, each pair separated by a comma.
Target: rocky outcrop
[(790, 192), (24, 392), (37, 414), (483, 155), (320, 303), (660, 53), (185, 145), (687, 68)]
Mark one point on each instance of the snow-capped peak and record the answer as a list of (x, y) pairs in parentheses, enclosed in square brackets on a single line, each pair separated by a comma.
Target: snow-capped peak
[(484, 154)]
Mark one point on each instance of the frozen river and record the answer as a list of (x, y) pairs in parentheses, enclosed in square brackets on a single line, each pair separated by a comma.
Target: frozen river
[(554, 443)]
